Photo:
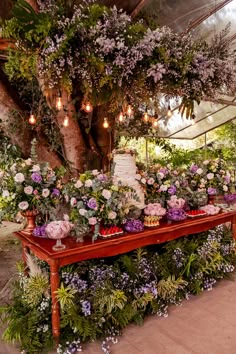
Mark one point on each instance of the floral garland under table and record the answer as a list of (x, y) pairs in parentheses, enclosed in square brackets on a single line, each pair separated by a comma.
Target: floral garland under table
[(76, 252)]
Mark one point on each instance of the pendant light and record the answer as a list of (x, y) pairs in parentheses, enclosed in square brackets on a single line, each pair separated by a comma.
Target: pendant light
[(88, 107), (169, 113), (146, 117), (105, 123), (32, 119), (66, 121), (59, 104), (129, 110), (121, 117)]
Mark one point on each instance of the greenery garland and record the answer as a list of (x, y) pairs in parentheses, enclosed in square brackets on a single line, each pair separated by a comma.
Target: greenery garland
[(101, 53), (99, 298)]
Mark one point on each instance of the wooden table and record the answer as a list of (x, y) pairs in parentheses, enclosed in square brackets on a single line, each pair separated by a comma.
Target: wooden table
[(76, 252)]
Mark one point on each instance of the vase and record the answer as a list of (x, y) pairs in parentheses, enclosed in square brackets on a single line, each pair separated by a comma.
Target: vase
[(30, 216)]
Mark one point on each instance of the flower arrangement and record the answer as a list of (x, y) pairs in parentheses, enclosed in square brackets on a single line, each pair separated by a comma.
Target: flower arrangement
[(177, 203), (27, 186), (93, 292), (133, 225), (211, 209), (176, 214), (154, 209), (93, 198)]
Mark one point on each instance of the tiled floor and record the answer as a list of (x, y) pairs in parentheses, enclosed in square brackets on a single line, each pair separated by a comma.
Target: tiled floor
[(206, 324)]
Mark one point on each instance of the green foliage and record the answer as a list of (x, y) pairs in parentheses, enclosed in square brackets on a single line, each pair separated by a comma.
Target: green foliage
[(119, 290), (35, 288)]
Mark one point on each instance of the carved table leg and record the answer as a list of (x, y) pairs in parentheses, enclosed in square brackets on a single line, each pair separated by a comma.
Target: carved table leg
[(25, 250), (234, 227), (54, 280)]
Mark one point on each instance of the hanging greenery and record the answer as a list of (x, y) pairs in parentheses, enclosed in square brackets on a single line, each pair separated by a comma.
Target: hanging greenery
[(111, 59)]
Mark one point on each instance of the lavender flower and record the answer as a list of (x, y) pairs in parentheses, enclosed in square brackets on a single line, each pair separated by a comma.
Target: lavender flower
[(134, 226), (211, 191), (55, 192), (230, 198), (176, 214), (172, 190), (92, 203), (40, 231), (86, 308), (193, 168), (36, 177)]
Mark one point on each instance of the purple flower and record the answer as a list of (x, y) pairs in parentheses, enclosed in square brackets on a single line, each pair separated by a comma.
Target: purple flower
[(40, 231), (133, 226), (56, 192), (211, 191), (230, 198), (227, 179), (86, 308), (176, 214), (92, 204), (36, 177), (101, 177), (172, 190), (193, 168)]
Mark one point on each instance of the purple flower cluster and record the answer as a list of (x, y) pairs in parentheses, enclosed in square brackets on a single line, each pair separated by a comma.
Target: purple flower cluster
[(133, 226), (230, 198), (36, 177), (75, 281), (55, 192), (40, 231), (176, 214), (92, 204), (86, 308), (211, 191), (172, 190)]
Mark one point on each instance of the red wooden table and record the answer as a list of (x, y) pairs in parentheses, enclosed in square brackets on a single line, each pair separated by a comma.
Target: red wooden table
[(76, 251)]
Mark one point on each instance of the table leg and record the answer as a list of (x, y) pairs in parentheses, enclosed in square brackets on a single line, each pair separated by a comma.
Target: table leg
[(25, 250), (234, 227), (54, 280)]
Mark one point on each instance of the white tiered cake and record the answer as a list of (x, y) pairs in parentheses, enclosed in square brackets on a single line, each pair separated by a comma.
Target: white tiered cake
[(125, 172)]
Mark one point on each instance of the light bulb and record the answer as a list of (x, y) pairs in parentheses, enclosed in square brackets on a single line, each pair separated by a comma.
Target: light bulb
[(145, 117), (155, 123), (169, 113), (129, 110), (66, 121), (32, 119), (121, 117), (88, 107), (59, 103), (105, 123)]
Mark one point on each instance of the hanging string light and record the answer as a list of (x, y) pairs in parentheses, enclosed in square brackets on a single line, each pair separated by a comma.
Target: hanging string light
[(155, 123), (66, 121), (59, 104), (121, 117), (32, 119), (129, 110), (88, 107), (169, 113), (145, 117), (105, 123)]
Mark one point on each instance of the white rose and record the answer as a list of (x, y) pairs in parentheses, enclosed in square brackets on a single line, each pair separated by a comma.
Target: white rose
[(19, 177), (88, 183), (28, 162), (1, 174), (78, 184), (143, 180), (225, 188), (23, 205), (210, 175), (112, 215), (161, 175), (13, 168), (35, 168), (73, 201), (95, 172), (206, 162), (82, 212), (28, 190), (163, 188), (45, 192), (5, 193), (92, 221), (138, 176), (177, 183), (199, 171), (150, 181), (106, 194)]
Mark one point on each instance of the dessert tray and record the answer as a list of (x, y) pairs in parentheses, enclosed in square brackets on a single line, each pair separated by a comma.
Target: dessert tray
[(111, 231), (195, 213)]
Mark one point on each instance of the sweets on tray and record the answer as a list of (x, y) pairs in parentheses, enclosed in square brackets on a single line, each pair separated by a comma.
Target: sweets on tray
[(109, 231), (195, 213)]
